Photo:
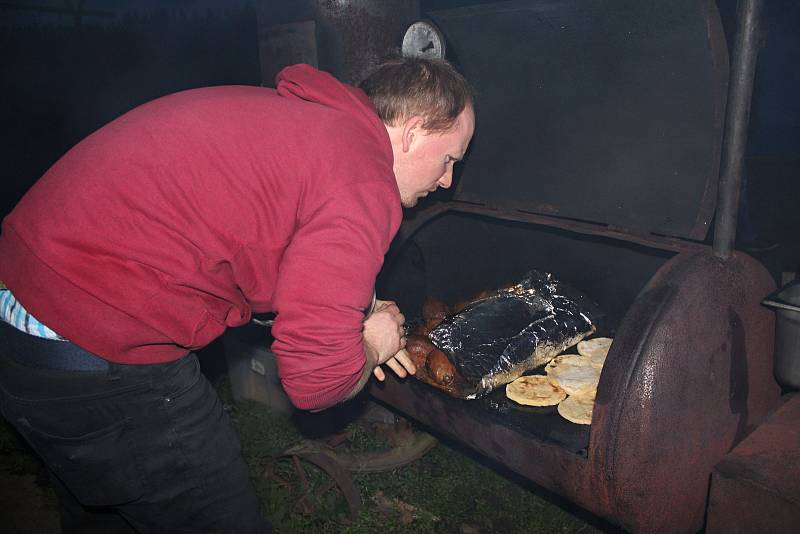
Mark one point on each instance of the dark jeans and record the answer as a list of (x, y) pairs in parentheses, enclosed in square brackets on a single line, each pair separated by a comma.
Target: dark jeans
[(134, 448)]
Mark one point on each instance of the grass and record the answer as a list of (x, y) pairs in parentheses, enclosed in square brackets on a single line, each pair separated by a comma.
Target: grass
[(446, 491)]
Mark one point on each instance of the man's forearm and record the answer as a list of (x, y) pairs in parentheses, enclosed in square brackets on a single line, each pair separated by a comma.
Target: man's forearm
[(370, 362)]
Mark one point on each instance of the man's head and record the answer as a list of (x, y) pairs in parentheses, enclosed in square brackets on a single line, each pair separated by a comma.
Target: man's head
[(427, 107)]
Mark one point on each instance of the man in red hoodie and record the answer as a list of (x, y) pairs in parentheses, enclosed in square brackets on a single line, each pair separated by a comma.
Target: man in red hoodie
[(181, 218)]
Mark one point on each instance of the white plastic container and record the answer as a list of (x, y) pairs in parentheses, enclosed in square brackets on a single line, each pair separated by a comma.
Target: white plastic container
[(252, 368)]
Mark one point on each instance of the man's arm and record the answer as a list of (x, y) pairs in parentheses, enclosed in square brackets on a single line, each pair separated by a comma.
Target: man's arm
[(370, 364), (383, 339)]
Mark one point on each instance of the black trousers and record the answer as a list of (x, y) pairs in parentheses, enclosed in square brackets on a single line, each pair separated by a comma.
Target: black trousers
[(133, 448)]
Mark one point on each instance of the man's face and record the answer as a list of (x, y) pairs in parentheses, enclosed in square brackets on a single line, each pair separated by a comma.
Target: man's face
[(426, 162)]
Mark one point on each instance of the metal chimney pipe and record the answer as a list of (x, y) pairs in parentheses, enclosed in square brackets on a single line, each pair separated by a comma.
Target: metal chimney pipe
[(740, 91)]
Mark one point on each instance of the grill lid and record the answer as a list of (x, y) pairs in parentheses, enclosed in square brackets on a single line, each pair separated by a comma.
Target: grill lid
[(609, 112)]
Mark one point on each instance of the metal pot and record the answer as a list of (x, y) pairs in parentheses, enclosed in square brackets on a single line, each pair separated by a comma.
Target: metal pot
[(786, 302)]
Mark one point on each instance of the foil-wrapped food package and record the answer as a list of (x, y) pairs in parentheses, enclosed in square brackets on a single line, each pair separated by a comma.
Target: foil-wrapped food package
[(495, 339)]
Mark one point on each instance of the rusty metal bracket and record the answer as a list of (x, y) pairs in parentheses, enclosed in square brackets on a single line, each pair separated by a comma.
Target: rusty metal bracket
[(338, 465), (373, 462), (327, 464)]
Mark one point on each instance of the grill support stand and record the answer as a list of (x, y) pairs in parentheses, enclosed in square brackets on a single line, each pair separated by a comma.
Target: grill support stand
[(745, 54)]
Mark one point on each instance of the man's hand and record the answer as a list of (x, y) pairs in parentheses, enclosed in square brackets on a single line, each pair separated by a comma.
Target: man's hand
[(384, 341), (400, 363), (380, 330), (383, 332)]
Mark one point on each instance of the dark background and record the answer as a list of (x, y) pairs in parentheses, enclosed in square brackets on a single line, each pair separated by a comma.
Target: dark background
[(64, 76)]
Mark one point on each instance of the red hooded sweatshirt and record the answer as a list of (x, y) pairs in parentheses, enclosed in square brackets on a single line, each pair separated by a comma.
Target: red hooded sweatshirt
[(188, 213)]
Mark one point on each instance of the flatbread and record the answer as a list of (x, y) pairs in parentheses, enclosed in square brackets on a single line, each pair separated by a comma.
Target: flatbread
[(597, 361), (596, 350), (565, 359), (575, 375), (535, 390), (577, 409)]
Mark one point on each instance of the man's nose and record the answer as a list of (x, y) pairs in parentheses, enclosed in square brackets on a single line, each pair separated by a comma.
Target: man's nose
[(447, 178)]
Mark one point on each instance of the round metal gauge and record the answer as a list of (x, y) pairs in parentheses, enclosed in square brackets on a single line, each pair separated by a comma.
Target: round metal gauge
[(423, 39)]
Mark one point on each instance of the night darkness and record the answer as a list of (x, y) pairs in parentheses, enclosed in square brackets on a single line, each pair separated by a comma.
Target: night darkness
[(64, 74), (62, 81), (63, 78)]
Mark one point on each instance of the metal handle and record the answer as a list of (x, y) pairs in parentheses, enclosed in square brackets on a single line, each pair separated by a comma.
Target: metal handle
[(778, 298), (781, 305)]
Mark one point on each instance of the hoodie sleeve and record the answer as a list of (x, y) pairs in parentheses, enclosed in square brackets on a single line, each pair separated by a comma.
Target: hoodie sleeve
[(325, 281)]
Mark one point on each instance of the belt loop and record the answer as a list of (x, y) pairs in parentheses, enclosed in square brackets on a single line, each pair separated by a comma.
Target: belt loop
[(114, 371)]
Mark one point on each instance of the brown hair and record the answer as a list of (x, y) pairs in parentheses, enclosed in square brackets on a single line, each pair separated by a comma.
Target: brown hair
[(431, 88)]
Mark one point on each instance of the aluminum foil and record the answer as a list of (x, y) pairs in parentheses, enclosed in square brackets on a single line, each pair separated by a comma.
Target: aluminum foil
[(495, 340)]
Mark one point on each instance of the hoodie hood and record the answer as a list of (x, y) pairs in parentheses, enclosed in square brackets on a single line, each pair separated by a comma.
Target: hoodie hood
[(304, 82)]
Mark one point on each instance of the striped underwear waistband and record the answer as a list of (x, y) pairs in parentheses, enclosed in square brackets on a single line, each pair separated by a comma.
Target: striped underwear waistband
[(13, 313)]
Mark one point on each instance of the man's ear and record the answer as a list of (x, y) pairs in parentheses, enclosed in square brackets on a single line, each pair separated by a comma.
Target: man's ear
[(411, 132)]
